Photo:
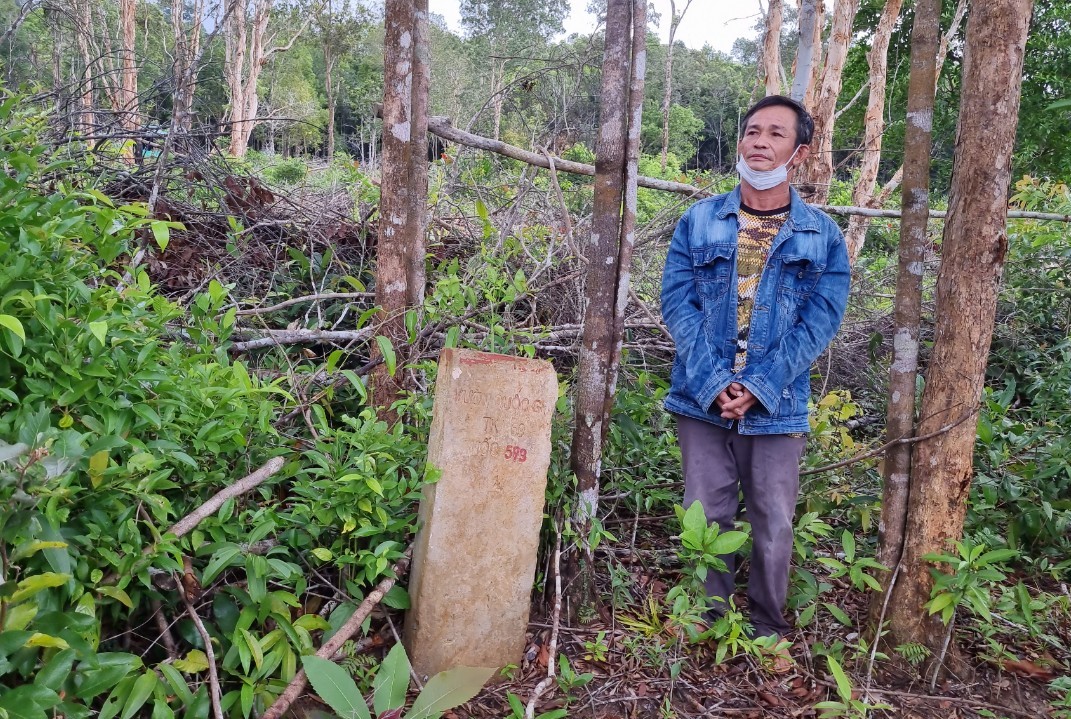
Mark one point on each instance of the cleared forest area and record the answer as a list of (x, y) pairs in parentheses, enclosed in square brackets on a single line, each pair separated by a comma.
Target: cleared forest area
[(236, 235)]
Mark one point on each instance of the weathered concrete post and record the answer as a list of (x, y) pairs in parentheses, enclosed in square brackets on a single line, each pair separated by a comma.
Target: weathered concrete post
[(474, 560)]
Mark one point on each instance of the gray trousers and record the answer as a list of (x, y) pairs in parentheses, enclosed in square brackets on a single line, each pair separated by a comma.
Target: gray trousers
[(718, 463)]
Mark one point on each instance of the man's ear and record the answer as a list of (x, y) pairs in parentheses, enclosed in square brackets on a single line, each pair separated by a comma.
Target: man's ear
[(802, 154)]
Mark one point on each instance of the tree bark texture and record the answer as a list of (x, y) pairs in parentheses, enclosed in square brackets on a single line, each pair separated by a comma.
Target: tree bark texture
[(915, 206), (418, 162), (128, 85), (819, 169), (874, 126), (667, 90), (187, 57), (403, 189), (810, 42), (771, 48), (330, 58), (602, 252), (974, 247)]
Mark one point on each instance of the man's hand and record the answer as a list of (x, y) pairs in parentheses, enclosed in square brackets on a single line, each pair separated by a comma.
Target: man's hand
[(737, 401)]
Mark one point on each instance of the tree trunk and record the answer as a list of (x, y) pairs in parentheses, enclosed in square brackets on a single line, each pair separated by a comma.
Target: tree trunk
[(667, 94), (973, 250), (915, 206), (874, 124), (819, 169), (86, 84), (942, 51), (809, 43), (418, 160), (330, 58), (187, 57), (129, 81), (395, 200), (603, 254), (771, 48)]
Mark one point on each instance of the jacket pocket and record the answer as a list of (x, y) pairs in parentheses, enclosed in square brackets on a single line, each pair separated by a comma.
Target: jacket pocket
[(799, 275), (713, 270)]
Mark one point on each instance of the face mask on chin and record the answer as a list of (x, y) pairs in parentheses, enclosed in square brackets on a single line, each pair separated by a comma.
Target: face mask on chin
[(764, 179)]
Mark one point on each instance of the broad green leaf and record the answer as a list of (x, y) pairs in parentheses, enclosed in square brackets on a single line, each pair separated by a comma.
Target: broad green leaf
[(194, 662), (838, 614), (176, 682), (728, 542), (848, 542), (387, 350), (117, 594), (28, 549), (56, 671), (99, 330), (323, 554), (254, 647), (161, 233), (336, 687), (223, 558), (844, 686), (140, 693), (40, 639), (996, 556), (940, 602), (694, 520), (449, 689), (97, 464), (11, 451), (39, 582), (12, 323), (392, 680)]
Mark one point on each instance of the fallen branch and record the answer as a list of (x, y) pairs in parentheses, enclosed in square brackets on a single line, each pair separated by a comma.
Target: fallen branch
[(327, 651), (444, 128), (272, 338), (243, 485), (306, 298), (552, 654), (213, 677)]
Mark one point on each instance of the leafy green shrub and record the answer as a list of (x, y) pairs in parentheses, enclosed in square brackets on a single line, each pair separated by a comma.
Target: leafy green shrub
[(286, 172)]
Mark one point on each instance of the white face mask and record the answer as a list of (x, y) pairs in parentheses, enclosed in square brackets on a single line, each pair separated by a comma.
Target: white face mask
[(764, 179)]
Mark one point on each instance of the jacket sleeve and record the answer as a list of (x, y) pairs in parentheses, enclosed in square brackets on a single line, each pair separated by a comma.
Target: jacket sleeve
[(683, 312), (819, 319)]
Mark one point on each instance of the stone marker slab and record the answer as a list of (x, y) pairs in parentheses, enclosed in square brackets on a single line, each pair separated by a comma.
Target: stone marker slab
[(474, 559)]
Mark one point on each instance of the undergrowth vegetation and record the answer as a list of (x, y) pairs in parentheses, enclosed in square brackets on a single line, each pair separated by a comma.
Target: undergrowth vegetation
[(125, 406)]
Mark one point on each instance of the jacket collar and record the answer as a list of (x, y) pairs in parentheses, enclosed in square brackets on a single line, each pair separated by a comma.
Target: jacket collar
[(800, 214)]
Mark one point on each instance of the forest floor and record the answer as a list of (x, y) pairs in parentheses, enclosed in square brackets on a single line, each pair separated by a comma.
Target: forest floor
[(632, 661)]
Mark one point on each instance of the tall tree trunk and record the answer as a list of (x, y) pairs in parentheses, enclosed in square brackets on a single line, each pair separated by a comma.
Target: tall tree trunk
[(397, 203), (418, 160), (810, 43), (973, 250), (187, 57), (771, 48), (942, 51), (667, 94), (818, 171), (915, 206), (83, 13), (607, 251), (128, 83), (330, 58), (874, 124)]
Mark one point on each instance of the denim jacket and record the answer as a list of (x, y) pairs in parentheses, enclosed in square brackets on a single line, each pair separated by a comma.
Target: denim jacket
[(799, 304)]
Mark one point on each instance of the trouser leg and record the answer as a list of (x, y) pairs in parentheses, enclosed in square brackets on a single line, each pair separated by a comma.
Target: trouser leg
[(710, 477), (769, 477)]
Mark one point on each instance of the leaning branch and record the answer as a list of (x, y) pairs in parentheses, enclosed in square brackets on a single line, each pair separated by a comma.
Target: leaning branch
[(271, 338), (444, 128), (240, 487), (331, 646)]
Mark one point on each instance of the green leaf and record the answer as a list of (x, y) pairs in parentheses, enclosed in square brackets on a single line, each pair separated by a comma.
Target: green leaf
[(99, 330), (940, 602), (996, 556), (848, 542), (9, 452), (449, 689), (728, 542), (335, 687), (13, 324), (392, 680), (117, 594), (1060, 104), (323, 554), (177, 683), (140, 693), (387, 350), (194, 662), (161, 233), (221, 559), (694, 520), (39, 582), (56, 671), (844, 686), (838, 614), (254, 647)]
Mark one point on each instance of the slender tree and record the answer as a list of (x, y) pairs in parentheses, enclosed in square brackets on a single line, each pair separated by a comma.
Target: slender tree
[(819, 169), (915, 206), (809, 46), (874, 125), (667, 93), (973, 250), (607, 251), (128, 90), (771, 48)]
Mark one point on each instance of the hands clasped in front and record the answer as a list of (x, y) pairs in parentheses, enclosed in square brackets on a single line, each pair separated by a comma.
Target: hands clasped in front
[(734, 401)]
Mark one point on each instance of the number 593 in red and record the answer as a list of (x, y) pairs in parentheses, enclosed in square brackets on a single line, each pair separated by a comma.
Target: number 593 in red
[(516, 454)]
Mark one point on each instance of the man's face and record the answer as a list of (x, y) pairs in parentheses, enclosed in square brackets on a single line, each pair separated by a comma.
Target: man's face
[(770, 139)]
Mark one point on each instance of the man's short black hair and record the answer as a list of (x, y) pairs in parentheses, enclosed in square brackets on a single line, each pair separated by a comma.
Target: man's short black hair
[(804, 121)]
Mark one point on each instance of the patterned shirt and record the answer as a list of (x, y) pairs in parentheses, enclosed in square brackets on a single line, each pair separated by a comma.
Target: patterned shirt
[(754, 240)]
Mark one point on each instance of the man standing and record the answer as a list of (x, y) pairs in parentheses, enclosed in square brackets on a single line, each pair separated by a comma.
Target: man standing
[(754, 289)]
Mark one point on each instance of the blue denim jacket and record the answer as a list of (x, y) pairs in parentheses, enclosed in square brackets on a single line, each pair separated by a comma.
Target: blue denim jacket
[(798, 307)]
